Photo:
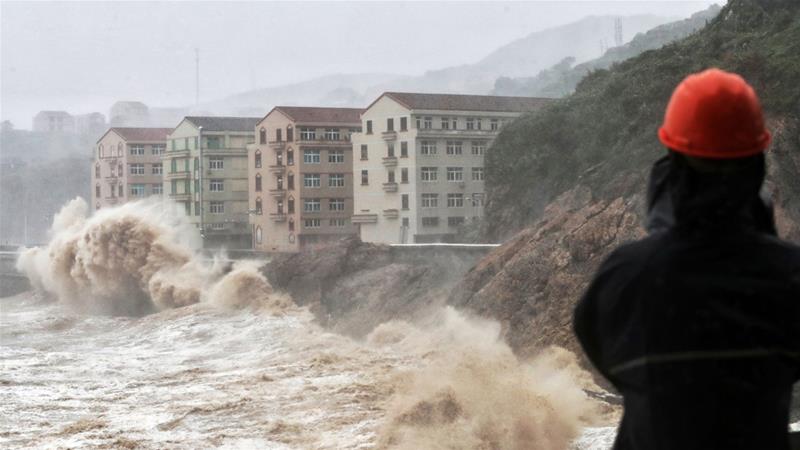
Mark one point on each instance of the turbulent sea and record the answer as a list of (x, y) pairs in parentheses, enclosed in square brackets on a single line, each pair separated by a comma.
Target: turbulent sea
[(131, 339)]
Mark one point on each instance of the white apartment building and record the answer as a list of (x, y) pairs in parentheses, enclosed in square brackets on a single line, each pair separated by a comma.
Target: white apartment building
[(418, 163), (127, 165)]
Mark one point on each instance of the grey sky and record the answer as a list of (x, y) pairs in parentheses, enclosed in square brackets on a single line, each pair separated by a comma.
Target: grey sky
[(83, 56)]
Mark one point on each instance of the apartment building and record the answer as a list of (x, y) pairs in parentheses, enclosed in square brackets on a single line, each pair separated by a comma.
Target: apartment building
[(54, 122), (301, 177), (205, 173), (127, 165), (419, 162)]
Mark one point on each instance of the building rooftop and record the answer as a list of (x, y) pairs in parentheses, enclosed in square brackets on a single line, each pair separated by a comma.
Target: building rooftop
[(459, 102), (211, 123), (142, 134), (54, 113), (313, 114)]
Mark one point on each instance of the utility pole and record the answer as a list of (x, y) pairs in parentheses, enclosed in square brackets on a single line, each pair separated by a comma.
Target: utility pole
[(617, 31), (196, 76), (200, 177)]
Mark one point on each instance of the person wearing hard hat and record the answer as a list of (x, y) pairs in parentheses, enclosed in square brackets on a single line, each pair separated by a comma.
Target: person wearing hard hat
[(698, 324)]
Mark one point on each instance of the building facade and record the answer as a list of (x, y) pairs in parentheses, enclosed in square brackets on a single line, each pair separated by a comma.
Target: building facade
[(127, 165), (301, 177), (419, 163), (205, 173), (54, 122)]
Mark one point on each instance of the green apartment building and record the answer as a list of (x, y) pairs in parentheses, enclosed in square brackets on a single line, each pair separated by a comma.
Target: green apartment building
[(205, 174)]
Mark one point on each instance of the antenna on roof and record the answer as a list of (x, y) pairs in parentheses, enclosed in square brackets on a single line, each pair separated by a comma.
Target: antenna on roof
[(196, 76)]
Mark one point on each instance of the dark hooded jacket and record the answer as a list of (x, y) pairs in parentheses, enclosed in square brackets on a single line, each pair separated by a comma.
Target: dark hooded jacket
[(698, 324)]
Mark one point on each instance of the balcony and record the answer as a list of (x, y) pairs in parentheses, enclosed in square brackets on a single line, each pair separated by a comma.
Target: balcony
[(184, 197), (456, 134), (389, 135), (277, 145), (390, 187), (278, 168), (278, 193), (390, 161), (391, 213), (177, 175), (112, 200), (365, 218), (323, 140), (278, 217)]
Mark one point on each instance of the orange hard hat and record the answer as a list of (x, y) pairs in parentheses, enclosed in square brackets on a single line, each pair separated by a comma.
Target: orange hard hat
[(714, 114)]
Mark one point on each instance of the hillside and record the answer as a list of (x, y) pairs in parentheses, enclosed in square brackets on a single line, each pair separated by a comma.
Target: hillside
[(524, 56), (566, 185), (562, 78)]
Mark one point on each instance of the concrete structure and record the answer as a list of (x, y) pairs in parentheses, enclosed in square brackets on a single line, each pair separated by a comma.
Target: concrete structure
[(419, 162), (301, 177), (91, 124), (127, 165), (129, 114), (205, 172), (54, 122)]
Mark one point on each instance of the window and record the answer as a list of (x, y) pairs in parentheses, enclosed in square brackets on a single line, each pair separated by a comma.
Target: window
[(290, 181), (216, 163), (311, 180), (158, 189), (454, 148), (455, 174), (97, 191), (258, 182), (258, 235), (430, 221), (428, 123), (259, 205), (173, 187), (311, 205), (405, 222), (258, 159), (336, 180), (216, 186), (494, 124), (470, 123), (214, 142), (336, 156), (158, 149), (478, 148), (216, 207), (279, 207), (429, 174), (419, 123), (455, 221), (427, 148), (364, 154), (477, 200), (478, 124), (157, 169), (120, 171), (308, 134), (454, 123), (336, 204), (455, 200), (445, 123), (390, 176), (389, 124), (119, 149), (217, 226), (289, 134), (262, 136), (312, 223), (136, 169), (290, 157), (404, 149), (338, 223), (404, 175), (120, 190), (477, 174), (290, 205), (311, 156), (97, 170), (404, 124), (404, 201), (100, 151), (137, 150), (364, 177), (390, 150), (430, 200), (278, 134), (369, 127), (279, 182), (291, 228), (137, 190)]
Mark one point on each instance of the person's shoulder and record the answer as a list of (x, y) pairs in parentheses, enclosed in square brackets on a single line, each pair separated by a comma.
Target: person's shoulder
[(781, 247), (637, 252)]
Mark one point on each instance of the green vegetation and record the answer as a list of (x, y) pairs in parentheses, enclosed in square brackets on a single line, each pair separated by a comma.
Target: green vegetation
[(604, 135)]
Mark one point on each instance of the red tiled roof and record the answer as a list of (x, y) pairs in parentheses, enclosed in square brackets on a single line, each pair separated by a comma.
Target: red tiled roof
[(142, 134), (313, 114), (460, 102)]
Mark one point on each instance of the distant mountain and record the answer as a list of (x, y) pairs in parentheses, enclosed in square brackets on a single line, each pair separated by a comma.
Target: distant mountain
[(562, 78), (523, 57)]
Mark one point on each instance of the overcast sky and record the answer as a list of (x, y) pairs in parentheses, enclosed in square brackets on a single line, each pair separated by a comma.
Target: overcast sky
[(83, 56)]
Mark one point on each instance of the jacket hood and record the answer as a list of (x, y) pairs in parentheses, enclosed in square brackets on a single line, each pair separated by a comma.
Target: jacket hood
[(684, 198)]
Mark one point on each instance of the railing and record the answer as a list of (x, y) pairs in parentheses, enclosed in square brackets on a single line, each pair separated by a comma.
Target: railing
[(390, 187), (390, 161)]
